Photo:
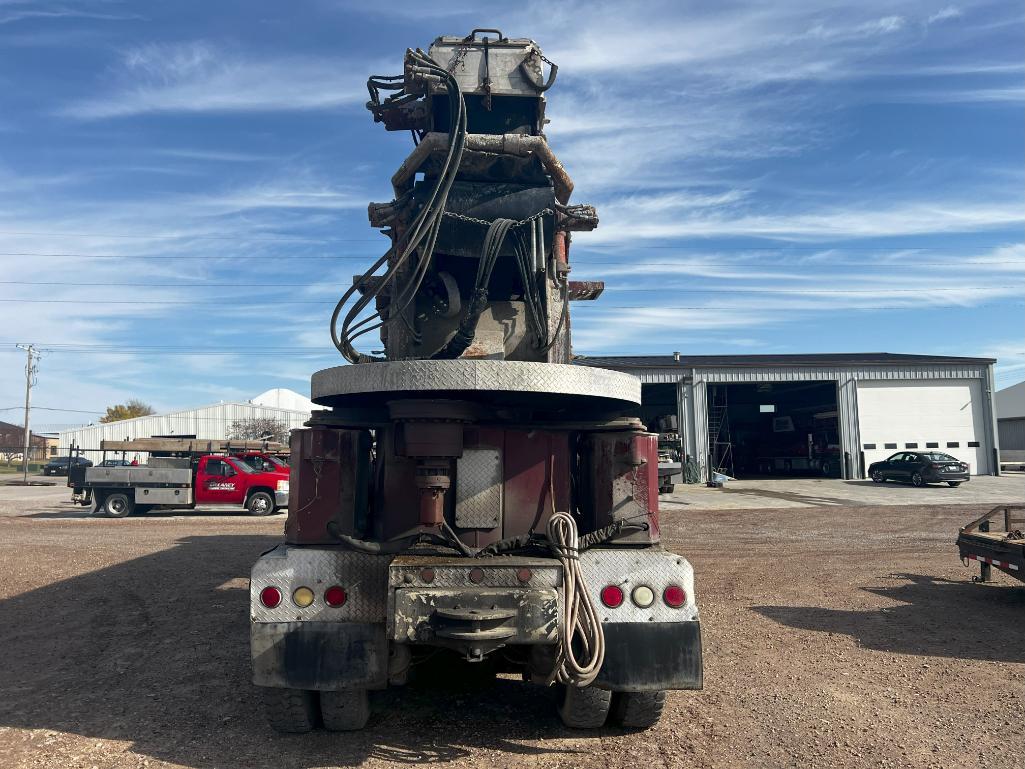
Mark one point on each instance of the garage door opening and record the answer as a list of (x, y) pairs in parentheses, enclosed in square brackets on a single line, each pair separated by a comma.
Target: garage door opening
[(770, 429)]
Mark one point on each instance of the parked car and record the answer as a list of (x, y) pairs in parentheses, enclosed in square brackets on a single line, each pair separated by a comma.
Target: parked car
[(919, 468), (115, 463), (60, 465)]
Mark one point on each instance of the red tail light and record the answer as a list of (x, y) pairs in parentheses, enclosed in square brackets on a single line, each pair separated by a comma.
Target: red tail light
[(335, 596), (674, 596), (612, 596), (270, 597)]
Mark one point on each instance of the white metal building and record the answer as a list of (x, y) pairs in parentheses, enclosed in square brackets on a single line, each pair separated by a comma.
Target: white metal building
[(212, 422), (772, 412)]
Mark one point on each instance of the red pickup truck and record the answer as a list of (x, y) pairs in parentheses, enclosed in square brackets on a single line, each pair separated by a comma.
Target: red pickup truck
[(211, 481)]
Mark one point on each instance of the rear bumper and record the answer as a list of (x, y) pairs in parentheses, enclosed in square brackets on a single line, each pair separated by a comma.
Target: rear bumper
[(940, 477)]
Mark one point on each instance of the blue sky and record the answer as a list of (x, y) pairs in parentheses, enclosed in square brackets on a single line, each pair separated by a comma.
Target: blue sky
[(793, 177)]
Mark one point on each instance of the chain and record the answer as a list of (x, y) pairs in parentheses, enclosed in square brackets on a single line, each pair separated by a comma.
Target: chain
[(486, 223)]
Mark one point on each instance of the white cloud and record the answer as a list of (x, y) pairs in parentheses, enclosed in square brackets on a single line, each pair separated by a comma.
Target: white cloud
[(945, 14), (199, 77)]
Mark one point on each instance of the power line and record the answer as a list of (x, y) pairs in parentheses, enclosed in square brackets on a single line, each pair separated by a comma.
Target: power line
[(674, 289), (632, 246), (263, 303), (44, 408)]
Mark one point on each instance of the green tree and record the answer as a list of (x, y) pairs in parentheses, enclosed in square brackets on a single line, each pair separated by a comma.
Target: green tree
[(127, 410)]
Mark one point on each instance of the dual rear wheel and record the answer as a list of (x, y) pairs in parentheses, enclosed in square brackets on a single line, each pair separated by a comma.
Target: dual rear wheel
[(591, 708), (296, 711)]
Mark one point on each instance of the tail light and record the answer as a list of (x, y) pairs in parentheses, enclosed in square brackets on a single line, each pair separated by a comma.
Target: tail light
[(270, 597), (674, 596), (335, 596), (612, 596), (642, 596)]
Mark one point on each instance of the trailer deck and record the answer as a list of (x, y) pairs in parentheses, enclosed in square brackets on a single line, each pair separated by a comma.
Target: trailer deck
[(990, 546)]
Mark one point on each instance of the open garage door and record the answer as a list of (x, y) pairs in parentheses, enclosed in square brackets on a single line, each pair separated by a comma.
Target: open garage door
[(946, 415), (766, 429)]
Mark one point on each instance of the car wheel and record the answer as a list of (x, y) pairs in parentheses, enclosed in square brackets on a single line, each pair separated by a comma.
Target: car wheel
[(585, 708), (118, 506), (917, 479), (953, 484), (260, 503), (826, 469), (877, 476)]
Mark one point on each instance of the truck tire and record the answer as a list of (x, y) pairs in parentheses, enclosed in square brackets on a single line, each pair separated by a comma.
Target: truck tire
[(118, 505), (260, 503), (638, 710), (293, 711), (585, 708), (344, 711)]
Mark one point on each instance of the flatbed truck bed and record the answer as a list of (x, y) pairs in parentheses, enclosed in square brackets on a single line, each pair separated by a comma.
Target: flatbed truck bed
[(995, 539)]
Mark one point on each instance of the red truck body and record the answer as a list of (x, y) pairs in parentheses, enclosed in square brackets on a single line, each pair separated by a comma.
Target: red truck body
[(182, 483)]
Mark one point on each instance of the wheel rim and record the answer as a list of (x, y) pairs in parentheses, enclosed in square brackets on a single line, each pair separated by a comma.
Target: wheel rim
[(916, 479), (877, 476), (259, 504), (116, 506)]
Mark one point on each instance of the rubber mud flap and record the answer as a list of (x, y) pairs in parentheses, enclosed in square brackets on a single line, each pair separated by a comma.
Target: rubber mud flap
[(650, 656), (319, 655)]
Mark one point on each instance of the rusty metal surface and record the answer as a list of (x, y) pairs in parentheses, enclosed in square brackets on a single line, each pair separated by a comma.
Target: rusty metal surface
[(475, 617), (585, 290)]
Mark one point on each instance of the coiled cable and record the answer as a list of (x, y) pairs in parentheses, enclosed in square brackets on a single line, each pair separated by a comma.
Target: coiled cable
[(582, 646)]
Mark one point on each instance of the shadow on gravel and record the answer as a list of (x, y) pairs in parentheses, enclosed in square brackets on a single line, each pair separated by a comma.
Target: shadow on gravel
[(155, 652), (936, 618)]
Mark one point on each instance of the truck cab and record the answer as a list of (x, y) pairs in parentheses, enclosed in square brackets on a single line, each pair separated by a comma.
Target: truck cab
[(232, 481)]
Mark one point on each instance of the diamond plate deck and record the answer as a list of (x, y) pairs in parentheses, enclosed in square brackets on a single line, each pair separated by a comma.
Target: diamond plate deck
[(551, 387), (629, 568), (364, 577), (479, 489)]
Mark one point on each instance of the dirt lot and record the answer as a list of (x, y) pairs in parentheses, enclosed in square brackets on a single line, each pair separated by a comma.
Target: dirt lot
[(834, 636)]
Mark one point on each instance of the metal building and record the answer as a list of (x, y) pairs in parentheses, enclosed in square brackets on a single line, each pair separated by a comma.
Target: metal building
[(1010, 403), (816, 414), (212, 421)]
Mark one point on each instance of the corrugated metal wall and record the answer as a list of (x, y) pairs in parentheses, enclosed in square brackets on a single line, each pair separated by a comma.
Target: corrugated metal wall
[(693, 396), (204, 422), (1012, 434)]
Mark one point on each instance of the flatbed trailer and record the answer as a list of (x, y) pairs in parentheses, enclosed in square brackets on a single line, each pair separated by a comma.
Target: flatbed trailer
[(995, 539)]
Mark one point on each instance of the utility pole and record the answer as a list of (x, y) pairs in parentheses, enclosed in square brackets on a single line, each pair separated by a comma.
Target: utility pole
[(30, 379)]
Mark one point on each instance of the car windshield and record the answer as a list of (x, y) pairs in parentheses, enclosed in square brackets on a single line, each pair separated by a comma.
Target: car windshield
[(279, 462), (938, 456)]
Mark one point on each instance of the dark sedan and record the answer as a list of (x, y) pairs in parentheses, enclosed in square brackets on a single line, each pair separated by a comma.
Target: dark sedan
[(919, 468), (60, 465)]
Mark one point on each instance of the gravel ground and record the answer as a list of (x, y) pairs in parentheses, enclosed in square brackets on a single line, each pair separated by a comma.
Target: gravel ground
[(834, 636)]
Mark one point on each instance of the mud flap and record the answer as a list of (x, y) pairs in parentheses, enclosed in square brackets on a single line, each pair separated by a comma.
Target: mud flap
[(319, 655), (651, 656)]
